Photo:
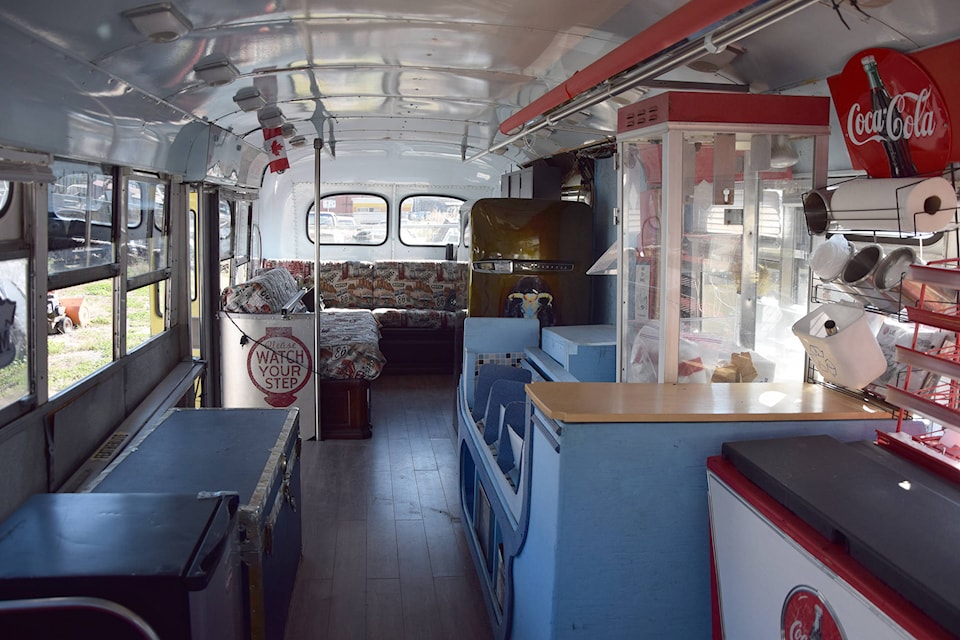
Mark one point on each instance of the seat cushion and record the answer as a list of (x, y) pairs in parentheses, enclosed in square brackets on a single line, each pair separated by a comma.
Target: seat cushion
[(266, 292), (502, 394), (486, 376)]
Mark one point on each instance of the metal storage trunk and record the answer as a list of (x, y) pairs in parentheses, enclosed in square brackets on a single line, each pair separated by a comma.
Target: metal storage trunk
[(116, 563), (255, 452)]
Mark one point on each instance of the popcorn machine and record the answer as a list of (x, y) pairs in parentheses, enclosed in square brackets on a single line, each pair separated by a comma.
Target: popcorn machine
[(714, 246)]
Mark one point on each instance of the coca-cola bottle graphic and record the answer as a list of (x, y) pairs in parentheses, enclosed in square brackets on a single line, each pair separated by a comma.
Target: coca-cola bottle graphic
[(815, 632), (896, 147)]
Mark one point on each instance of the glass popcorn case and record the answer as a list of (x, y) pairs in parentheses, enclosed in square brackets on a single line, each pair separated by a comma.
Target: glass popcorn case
[(714, 246)]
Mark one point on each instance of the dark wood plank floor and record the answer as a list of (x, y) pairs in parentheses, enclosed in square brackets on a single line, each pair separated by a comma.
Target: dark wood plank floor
[(384, 554)]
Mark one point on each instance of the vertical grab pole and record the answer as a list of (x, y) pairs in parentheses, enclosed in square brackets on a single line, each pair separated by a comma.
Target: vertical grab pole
[(317, 148), (209, 263)]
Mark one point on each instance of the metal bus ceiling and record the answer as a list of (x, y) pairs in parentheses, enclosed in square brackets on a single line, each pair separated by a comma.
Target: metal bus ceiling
[(430, 77)]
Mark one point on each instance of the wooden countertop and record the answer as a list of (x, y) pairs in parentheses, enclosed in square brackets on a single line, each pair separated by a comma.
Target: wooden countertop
[(637, 402)]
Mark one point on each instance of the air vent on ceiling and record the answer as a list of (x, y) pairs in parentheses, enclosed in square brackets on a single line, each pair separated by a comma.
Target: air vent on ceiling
[(638, 115)]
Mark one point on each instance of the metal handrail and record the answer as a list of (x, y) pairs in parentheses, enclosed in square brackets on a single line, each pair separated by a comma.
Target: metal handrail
[(81, 602), (748, 23)]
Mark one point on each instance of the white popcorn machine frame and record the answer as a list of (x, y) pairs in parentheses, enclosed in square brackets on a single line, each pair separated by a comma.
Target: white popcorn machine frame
[(713, 246)]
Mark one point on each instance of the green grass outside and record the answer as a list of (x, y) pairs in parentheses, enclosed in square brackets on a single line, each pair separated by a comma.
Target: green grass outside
[(75, 355)]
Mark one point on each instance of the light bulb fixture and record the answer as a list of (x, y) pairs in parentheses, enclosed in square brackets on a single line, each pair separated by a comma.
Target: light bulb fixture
[(270, 116), (249, 99), (782, 153), (297, 141), (216, 70), (287, 129), (160, 22)]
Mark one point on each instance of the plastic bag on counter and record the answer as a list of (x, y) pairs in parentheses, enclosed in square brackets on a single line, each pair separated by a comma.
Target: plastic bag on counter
[(745, 366), (645, 356)]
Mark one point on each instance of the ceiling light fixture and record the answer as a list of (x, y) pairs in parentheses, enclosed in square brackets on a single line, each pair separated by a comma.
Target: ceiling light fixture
[(160, 22), (718, 61), (287, 129), (216, 70), (270, 116), (782, 153), (249, 99), (298, 141)]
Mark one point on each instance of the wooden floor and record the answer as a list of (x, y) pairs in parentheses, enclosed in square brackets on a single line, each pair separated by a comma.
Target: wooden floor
[(383, 549)]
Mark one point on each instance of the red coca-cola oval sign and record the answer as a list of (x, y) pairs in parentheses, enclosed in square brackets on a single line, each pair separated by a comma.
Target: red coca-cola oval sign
[(807, 616), (894, 119)]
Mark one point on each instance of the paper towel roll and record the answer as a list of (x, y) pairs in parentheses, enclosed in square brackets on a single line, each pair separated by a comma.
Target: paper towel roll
[(907, 205)]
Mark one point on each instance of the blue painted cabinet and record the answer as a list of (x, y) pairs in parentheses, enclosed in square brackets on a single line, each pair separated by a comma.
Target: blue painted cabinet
[(607, 535), (588, 352), (491, 497)]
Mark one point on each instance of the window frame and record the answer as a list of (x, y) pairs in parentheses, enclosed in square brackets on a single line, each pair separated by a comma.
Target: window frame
[(6, 200), (162, 271), (61, 279), (312, 209), (27, 401), (154, 221), (157, 276), (451, 225)]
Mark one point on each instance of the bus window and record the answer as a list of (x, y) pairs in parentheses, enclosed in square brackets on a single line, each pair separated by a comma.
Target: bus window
[(79, 217), (146, 307), (147, 259), (14, 338), (348, 219), (226, 230), (82, 262), (430, 220), (241, 251), (6, 189), (147, 233), (134, 208), (225, 274), (74, 352), (194, 283)]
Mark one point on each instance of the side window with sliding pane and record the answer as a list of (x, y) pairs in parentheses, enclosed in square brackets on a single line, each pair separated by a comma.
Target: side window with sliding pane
[(148, 235), (14, 332), (348, 218), (146, 308), (81, 262), (80, 332), (15, 326), (430, 220), (226, 229), (79, 217), (242, 250), (147, 231)]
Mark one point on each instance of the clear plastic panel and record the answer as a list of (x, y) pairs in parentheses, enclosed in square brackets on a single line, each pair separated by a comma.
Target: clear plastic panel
[(641, 209), (742, 252)]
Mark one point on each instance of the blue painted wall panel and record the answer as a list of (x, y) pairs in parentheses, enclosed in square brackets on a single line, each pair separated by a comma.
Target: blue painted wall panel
[(618, 540)]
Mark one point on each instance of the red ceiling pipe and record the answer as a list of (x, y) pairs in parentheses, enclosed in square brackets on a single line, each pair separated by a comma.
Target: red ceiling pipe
[(692, 17)]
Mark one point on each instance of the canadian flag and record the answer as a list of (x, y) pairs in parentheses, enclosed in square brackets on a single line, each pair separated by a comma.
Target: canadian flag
[(273, 145)]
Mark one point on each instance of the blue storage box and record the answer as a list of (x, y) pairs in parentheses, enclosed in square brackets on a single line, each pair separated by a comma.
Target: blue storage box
[(253, 452), (588, 352)]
